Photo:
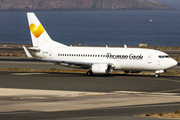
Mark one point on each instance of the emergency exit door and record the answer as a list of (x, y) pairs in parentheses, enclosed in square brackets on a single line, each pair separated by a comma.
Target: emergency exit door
[(149, 59)]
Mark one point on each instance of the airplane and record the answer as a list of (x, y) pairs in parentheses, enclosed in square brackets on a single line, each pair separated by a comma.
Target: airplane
[(97, 60)]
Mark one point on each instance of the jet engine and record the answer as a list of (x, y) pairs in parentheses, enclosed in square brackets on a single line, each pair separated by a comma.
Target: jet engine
[(102, 68)]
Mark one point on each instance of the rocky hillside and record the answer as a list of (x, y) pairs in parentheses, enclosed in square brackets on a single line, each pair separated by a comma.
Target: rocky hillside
[(79, 4)]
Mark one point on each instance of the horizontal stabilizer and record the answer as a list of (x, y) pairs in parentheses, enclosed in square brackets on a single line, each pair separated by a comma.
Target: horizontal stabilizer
[(27, 52), (34, 48)]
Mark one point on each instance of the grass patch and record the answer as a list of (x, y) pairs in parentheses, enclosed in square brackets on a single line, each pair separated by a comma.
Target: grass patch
[(176, 114), (51, 70), (171, 72), (168, 72), (148, 115), (10, 53), (152, 113), (161, 114)]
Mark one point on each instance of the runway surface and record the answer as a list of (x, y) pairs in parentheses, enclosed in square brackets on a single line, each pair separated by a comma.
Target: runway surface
[(81, 82), (95, 98)]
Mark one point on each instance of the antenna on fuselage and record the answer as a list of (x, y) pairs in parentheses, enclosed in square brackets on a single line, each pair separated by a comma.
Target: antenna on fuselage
[(125, 46)]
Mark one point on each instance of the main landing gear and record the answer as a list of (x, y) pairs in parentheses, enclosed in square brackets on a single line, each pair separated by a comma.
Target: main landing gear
[(89, 73)]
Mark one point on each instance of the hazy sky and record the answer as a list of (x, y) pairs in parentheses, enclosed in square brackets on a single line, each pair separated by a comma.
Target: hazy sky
[(171, 3)]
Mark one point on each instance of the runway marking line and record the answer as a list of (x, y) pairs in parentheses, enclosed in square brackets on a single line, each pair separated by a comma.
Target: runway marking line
[(27, 73)]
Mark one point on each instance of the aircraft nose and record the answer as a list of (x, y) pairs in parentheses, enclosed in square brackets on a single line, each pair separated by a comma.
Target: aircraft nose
[(173, 62)]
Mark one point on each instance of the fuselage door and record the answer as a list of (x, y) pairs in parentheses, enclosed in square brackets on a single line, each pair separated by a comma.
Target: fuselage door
[(149, 59)]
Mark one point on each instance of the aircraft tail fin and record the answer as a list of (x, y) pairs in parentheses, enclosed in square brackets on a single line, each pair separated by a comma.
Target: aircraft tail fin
[(39, 36)]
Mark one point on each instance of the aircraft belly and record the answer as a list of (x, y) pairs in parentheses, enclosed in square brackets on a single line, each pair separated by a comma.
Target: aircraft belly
[(135, 65)]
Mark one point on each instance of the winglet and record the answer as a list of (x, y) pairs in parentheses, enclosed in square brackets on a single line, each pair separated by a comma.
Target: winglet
[(27, 52)]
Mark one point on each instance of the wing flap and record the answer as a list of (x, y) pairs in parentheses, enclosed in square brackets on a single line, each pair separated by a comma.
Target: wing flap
[(70, 63)]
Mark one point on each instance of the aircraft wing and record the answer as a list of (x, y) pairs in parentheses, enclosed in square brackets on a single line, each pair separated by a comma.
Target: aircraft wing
[(84, 65), (70, 63)]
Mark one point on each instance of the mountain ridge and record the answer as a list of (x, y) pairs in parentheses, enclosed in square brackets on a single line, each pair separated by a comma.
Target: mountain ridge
[(80, 5)]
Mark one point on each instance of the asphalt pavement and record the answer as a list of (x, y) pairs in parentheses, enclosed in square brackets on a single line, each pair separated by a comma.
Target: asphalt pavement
[(75, 96), (100, 97)]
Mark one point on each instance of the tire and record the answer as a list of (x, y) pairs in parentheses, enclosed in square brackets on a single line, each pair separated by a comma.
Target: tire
[(89, 73), (156, 75)]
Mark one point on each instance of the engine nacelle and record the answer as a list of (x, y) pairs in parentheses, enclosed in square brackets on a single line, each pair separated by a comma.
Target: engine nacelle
[(102, 68)]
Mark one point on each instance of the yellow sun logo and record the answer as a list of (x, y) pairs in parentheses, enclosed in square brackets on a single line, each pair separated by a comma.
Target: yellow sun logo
[(37, 31)]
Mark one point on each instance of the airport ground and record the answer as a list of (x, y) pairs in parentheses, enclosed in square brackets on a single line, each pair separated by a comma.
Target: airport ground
[(51, 95), (32, 95), (74, 96)]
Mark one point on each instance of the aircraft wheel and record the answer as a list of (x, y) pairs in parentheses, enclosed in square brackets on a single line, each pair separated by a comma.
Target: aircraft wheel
[(89, 73), (157, 75)]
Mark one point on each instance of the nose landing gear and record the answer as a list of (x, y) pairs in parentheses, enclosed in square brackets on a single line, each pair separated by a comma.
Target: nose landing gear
[(158, 73)]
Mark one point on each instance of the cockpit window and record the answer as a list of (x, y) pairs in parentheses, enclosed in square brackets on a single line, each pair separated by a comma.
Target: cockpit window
[(164, 56)]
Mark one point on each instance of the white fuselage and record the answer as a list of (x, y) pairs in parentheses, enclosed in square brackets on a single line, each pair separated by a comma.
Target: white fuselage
[(121, 58)]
